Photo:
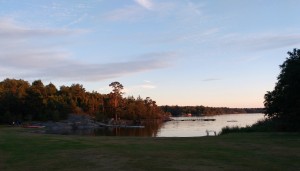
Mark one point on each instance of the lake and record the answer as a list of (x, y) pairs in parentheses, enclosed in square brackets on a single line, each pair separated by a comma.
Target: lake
[(178, 128), (198, 128)]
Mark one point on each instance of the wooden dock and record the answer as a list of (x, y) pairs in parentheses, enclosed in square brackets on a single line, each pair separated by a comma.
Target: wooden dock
[(120, 126), (193, 119)]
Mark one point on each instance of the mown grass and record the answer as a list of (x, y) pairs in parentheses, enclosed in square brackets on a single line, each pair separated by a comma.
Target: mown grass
[(22, 150)]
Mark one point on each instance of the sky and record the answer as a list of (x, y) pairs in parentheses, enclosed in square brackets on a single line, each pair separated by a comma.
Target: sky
[(177, 52)]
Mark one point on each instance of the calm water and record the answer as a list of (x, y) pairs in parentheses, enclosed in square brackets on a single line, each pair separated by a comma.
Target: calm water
[(177, 128), (198, 128)]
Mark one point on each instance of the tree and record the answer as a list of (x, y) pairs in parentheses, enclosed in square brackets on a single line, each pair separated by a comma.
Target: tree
[(117, 87), (116, 96), (20, 100), (36, 101), (51, 90), (12, 97), (283, 102)]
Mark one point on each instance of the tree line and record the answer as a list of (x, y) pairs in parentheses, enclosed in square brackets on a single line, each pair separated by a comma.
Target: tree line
[(202, 110), (282, 105), (22, 101)]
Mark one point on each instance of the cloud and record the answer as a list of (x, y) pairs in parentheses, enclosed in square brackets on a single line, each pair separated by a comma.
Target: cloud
[(22, 47), (27, 53), (11, 30), (145, 3), (130, 12), (147, 85), (18, 51), (178, 11), (97, 72), (262, 41), (194, 36)]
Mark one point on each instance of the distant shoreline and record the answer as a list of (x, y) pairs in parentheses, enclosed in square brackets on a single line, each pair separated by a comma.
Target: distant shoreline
[(207, 111)]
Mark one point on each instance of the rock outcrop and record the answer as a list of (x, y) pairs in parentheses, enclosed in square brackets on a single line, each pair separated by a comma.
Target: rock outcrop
[(73, 122)]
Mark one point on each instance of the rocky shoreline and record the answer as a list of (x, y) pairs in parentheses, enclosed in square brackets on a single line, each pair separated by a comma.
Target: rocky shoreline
[(81, 122)]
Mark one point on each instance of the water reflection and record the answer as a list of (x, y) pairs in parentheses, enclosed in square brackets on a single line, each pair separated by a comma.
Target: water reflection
[(177, 128), (150, 130)]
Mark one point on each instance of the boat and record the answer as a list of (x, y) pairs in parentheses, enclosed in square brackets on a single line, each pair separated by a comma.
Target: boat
[(126, 126), (209, 119), (121, 126)]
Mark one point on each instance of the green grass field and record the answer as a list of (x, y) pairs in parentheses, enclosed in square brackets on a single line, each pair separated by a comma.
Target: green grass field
[(21, 150)]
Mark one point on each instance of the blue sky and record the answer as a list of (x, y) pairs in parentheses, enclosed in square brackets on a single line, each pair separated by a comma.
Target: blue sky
[(178, 52)]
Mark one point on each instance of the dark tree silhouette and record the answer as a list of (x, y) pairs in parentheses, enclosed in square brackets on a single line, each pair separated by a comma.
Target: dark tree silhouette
[(283, 103)]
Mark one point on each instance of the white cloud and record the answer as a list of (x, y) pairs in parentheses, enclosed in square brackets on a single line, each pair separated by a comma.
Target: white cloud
[(145, 3)]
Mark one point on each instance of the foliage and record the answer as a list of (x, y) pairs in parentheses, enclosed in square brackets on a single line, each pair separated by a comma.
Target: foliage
[(283, 103), (117, 87), (21, 101), (267, 125), (202, 110)]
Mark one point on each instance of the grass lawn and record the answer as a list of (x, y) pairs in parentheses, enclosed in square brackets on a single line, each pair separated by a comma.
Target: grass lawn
[(22, 150)]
